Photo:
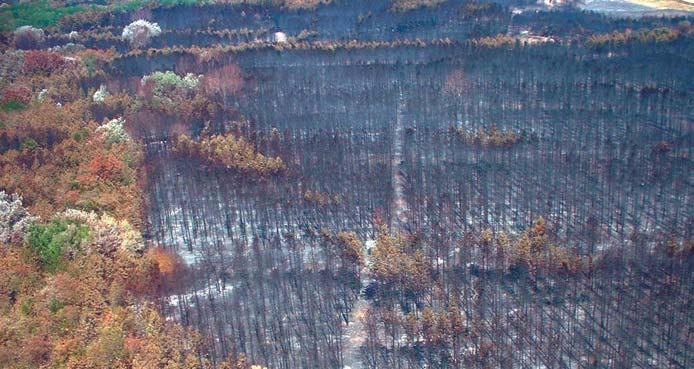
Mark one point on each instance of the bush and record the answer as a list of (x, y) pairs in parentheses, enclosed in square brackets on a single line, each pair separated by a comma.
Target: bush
[(12, 106), (53, 240), (29, 144)]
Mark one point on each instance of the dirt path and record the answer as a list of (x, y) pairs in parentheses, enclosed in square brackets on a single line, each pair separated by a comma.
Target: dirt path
[(354, 334), (399, 207)]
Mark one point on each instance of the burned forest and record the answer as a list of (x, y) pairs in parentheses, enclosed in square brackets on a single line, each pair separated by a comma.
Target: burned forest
[(347, 184)]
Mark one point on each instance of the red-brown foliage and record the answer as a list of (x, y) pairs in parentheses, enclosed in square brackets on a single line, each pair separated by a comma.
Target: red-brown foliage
[(18, 93), (43, 62)]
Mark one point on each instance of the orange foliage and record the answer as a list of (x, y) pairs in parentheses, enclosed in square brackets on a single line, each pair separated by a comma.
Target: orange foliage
[(69, 165), (489, 138), (105, 166), (168, 262)]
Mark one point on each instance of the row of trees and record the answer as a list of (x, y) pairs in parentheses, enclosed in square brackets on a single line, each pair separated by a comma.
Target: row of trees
[(230, 152)]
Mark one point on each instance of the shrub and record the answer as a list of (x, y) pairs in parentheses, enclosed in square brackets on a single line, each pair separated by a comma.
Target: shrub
[(29, 144), (11, 64), (12, 106), (140, 32)]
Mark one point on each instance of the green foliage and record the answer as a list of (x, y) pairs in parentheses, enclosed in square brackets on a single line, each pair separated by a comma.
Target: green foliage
[(55, 306), (81, 134), (139, 4), (41, 13), (34, 13), (52, 240), (29, 144), (91, 63), (28, 306), (168, 90), (13, 106)]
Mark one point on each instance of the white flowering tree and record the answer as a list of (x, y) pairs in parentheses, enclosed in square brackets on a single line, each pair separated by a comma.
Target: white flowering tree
[(114, 131), (140, 32), (100, 94), (14, 218)]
